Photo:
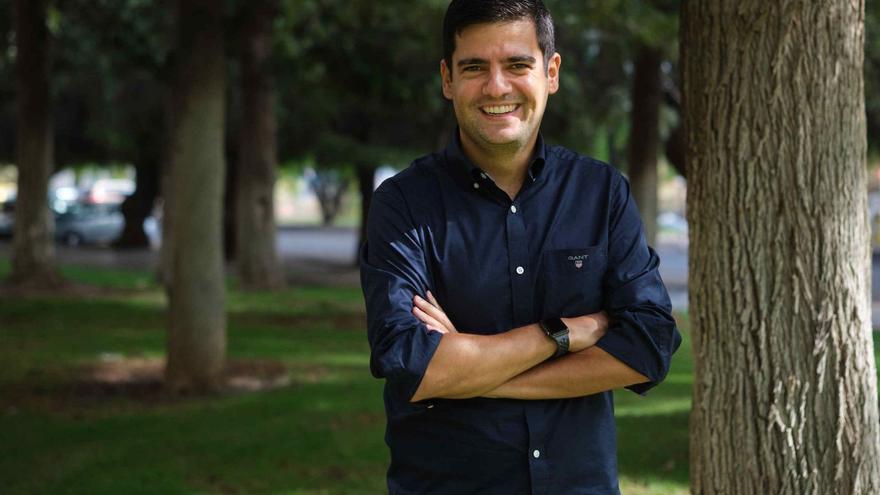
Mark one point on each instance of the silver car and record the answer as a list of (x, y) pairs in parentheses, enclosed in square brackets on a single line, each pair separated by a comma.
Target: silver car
[(89, 223)]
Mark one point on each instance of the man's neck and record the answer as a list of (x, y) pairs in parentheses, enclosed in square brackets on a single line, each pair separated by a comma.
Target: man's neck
[(507, 167)]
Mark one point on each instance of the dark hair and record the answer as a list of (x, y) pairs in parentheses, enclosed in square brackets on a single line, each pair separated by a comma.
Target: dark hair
[(464, 13)]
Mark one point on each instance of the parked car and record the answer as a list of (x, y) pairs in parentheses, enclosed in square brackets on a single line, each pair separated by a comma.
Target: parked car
[(89, 223)]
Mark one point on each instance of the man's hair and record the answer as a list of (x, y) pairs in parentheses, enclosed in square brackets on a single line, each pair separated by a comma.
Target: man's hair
[(464, 13)]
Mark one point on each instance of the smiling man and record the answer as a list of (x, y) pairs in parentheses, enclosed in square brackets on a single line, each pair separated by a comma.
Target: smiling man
[(508, 285)]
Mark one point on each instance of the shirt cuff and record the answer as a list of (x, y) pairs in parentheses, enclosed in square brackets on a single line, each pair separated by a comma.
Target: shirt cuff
[(624, 344)]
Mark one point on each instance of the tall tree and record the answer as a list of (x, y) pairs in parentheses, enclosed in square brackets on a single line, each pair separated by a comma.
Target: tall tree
[(644, 135), (33, 255), (785, 393), (371, 72), (196, 293), (257, 261)]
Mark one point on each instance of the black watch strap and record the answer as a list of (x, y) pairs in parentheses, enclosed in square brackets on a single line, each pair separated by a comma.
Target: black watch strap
[(558, 331)]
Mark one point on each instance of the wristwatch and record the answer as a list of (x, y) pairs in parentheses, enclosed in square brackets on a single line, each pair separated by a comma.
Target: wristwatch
[(556, 330)]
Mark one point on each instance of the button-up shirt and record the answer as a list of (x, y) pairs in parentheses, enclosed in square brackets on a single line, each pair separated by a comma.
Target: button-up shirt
[(571, 243)]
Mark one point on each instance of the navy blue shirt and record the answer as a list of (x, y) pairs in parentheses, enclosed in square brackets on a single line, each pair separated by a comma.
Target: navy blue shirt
[(571, 243)]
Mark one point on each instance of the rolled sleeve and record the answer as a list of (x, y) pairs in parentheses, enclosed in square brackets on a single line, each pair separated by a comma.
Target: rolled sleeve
[(393, 270), (643, 334)]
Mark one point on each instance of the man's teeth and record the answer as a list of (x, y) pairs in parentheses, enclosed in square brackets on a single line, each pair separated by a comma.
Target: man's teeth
[(498, 109)]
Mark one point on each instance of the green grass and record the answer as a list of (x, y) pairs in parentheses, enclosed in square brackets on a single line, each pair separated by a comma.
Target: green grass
[(323, 434)]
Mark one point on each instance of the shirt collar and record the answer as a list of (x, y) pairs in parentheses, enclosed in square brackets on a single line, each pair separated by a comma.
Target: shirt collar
[(464, 170)]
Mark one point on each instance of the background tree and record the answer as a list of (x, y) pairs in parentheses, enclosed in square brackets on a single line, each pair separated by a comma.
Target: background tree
[(33, 255), (785, 393), (644, 37), (370, 72), (196, 293), (256, 259), (110, 81)]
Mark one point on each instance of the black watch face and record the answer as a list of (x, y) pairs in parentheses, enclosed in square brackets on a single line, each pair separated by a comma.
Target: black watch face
[(554, 325)]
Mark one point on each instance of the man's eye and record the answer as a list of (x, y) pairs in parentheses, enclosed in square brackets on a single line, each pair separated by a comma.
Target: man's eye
[(471, 68), (520, 66)]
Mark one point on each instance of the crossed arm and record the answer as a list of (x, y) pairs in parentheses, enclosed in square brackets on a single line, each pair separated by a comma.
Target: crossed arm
[(514, 364)]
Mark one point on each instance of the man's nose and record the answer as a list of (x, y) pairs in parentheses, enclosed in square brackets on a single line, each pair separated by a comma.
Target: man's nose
[(497, 85)]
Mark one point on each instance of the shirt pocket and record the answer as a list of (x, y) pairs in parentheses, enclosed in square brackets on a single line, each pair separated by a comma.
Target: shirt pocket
[(571, 280)]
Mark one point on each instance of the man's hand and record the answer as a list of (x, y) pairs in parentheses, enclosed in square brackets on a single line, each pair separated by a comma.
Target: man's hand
[(432, 315), (585, 331)]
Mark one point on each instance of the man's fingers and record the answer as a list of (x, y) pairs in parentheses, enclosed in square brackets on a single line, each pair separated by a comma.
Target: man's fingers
[(429, 308), (434, 301), (433, 307), (429, 321)]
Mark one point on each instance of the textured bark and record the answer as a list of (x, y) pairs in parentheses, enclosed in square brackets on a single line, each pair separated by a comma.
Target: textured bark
[(366, 175), (196, 293), (33, 251), (644, 136), (258, 150), (785, 394)]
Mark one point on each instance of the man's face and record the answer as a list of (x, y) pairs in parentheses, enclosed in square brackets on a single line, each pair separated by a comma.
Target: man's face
[(498, 84)]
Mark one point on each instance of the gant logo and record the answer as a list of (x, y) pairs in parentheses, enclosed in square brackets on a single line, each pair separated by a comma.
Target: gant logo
[(578, 260)]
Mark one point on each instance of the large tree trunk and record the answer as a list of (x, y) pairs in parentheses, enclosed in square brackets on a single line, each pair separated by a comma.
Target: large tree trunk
[(257, 261), (33, 251), (785, 394), (644, 136), (366, 175), (196, 294)]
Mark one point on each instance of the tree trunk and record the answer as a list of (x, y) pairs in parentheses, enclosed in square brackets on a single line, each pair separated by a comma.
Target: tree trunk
[(196, 294), (785, 393), (257, 260), (329, 186), (33, 251), (165, 269), (138, 206), (366, 175), (644, 136)]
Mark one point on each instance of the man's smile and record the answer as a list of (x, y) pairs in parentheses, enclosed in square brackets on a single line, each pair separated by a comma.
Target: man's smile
[(497, 110)]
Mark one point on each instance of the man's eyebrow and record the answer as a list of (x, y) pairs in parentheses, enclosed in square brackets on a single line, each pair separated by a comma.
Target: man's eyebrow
[(521, 58), (472, 61), (510, 60)]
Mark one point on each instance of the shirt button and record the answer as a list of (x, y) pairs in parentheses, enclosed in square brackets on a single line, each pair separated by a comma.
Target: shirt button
[(476, 185), (520, 270), (536, 454), (512, 208)]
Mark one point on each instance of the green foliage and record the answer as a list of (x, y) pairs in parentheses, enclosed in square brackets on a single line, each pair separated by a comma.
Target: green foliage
[(359, 80), (107, 79)]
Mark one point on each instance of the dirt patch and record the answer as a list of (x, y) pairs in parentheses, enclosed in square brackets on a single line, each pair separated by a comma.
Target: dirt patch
[(66, 289), (115, 383), (134, 376)]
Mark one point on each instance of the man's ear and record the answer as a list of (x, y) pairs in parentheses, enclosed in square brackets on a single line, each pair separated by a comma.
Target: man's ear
[(446, 78), (553, 72)]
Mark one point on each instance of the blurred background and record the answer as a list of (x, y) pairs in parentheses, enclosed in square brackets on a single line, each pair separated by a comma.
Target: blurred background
[(353, 94)]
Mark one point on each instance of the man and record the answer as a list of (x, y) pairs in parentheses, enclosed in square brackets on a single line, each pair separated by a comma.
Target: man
[(508, 284)]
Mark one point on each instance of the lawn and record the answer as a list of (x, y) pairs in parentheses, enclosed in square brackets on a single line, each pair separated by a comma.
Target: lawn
[(321, 433)]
